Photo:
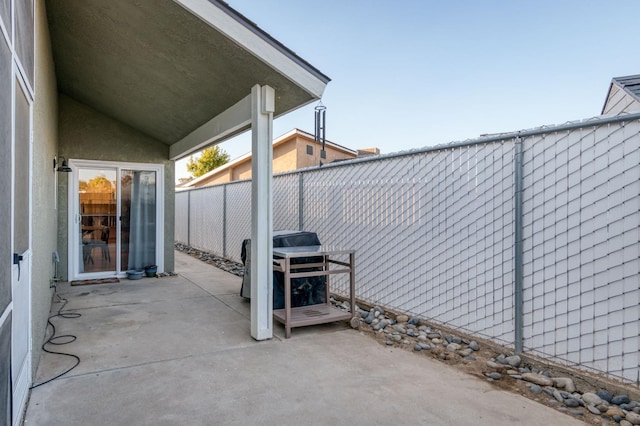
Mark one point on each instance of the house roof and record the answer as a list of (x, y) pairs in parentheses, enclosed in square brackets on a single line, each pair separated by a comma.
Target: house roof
[(168, 67), (629, 84), (247, 157)]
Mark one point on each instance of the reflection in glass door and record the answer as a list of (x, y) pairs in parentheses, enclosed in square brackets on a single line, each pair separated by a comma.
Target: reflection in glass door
[(138, 219), (97, 196), (118, 218)]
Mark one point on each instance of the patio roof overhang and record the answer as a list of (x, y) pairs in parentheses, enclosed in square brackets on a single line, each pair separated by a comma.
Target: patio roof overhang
[(180, 71)]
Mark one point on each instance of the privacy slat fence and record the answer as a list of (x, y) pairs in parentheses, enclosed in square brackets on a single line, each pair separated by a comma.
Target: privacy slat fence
[(460, 233)]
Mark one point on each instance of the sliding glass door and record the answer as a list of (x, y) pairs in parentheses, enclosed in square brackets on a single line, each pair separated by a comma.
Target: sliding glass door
[(115, 219), (97, 194)]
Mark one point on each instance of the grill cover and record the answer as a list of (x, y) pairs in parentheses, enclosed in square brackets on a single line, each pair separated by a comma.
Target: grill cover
[(304, 291)]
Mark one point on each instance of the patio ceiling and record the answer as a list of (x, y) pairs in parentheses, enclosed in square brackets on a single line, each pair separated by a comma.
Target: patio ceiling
[(166, 67)]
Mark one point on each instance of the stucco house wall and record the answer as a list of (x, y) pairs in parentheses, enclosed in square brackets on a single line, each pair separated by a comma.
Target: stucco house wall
[(284, 157), (332, 153), (289, 153), (89, 135), (45, 208), (242, 171)]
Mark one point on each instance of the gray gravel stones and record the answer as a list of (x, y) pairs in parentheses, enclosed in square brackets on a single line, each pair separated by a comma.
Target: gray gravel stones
[(534, 389), (564, 383), (513, 360), (465, 352), (571, 403), (633, 418), (538, 379), (227, 265), (402, 318), (381, 325), (558, 396), (409, 333), (620, 399), (605, 395), (593, 410), (400, 329), (591, 399), (452, 347), (495, 366)]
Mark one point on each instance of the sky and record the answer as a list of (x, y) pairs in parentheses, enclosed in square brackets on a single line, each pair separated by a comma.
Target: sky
[(417, 73)]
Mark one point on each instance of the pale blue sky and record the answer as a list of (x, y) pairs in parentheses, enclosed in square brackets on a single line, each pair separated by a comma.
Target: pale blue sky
[(415, 73)]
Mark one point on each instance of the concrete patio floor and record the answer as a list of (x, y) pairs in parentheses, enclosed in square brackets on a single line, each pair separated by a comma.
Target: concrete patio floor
[(177, 351)]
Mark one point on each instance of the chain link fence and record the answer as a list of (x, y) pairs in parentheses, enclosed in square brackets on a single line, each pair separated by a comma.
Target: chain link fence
[(441, 233)]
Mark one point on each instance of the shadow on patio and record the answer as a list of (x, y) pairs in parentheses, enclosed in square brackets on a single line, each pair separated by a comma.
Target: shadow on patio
[(177, 351)]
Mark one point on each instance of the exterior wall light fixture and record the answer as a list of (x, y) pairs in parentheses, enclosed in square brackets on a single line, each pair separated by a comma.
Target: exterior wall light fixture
[(63, 167)]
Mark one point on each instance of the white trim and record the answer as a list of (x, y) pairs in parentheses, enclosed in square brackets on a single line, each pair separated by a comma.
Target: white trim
[(227, 124), (20, 82), (247, 39), (73, 203), (262, 107)]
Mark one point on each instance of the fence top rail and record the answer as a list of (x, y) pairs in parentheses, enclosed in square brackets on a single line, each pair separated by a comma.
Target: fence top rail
[(499, 137)]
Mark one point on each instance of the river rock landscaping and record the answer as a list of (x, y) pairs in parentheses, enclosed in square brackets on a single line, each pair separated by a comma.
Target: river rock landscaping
[(227, 265), (508, 371), (504, 369)]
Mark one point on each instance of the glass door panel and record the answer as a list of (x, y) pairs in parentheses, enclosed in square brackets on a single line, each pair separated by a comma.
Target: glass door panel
[(138, 219), (97, 196)]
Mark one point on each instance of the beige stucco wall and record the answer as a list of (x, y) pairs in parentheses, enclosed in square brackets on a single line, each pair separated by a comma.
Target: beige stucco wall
[(220, 177), (86, 134), (306, 160), (242, 171), (284, 157), (287, 156), (45, 214)]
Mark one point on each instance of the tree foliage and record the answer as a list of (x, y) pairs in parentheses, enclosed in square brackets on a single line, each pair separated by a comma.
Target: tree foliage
[(96, 184), (209, 159)]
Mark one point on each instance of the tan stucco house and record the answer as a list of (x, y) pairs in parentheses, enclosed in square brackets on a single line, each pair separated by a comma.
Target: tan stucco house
[(97, 100), (294, 150)]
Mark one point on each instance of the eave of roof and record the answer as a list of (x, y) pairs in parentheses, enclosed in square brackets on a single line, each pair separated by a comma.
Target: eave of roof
[(167, 67), (629, 84)]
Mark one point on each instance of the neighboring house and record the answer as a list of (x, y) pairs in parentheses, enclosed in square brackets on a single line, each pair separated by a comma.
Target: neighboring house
[(97, 100), (623, 96), (294, 150)]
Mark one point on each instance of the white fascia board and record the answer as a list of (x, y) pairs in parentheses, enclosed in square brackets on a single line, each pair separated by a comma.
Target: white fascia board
[(260, 48), (223, 126)]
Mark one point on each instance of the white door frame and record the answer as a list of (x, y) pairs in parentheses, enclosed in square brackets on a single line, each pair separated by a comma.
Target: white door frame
[(20, 307), (74, 214)]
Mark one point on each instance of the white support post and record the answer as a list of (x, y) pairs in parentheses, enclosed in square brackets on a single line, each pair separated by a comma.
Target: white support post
[(262, 108)]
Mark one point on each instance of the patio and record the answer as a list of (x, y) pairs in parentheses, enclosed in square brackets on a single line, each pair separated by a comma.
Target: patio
[(178, 351)]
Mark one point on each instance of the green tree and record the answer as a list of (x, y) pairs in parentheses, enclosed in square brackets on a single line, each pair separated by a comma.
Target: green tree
[(209, 159)]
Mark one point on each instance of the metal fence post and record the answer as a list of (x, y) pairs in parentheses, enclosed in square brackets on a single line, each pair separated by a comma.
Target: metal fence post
[(300, 202), (518, 248), (224, 221), (189, 218)]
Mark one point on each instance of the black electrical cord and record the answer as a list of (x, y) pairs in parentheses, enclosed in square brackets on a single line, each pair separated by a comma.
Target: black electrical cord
[(54, 340)]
